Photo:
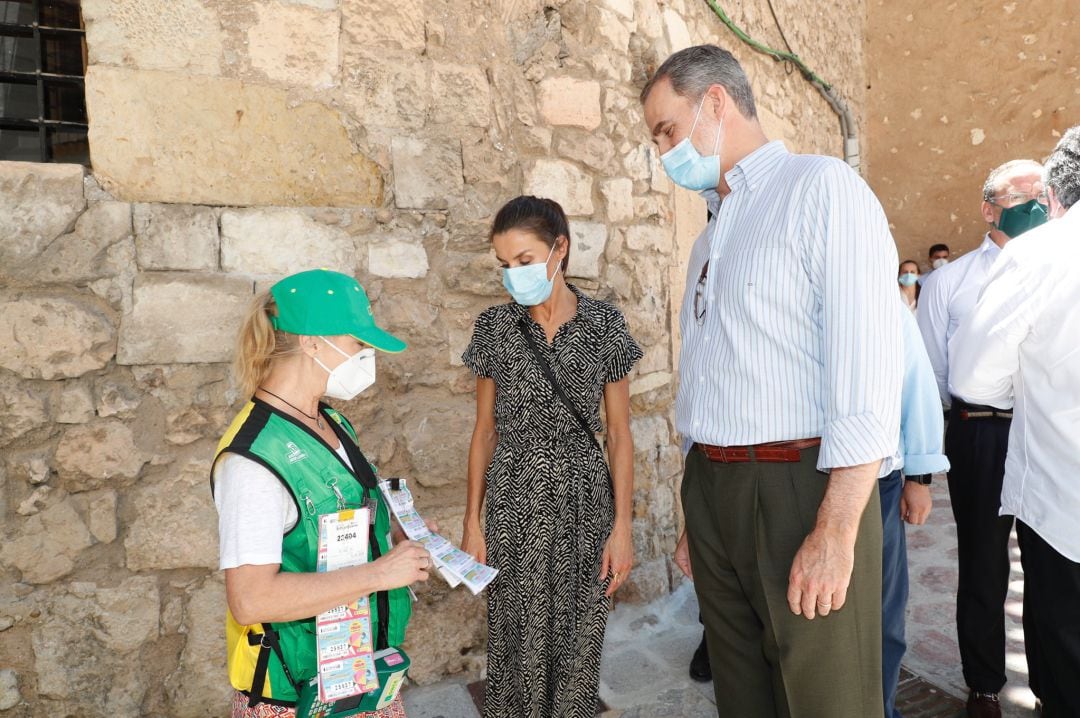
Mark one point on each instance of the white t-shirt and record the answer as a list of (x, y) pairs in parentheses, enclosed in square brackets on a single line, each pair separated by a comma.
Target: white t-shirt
[(254, 511)]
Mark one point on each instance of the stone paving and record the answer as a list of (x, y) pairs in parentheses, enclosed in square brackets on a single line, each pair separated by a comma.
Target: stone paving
[(648, 648)]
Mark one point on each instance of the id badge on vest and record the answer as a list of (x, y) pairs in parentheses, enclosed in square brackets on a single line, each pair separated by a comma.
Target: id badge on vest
[(345, 654)]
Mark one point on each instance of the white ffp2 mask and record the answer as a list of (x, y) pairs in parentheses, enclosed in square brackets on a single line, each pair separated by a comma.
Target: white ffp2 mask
[(351, 376)]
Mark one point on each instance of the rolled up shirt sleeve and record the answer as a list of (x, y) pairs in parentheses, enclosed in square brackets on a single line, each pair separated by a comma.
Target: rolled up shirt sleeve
[(855, 273), (921, 423)]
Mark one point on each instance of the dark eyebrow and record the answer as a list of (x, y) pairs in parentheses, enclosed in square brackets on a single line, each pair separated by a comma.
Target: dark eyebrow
[(659, 127), (518, 256)]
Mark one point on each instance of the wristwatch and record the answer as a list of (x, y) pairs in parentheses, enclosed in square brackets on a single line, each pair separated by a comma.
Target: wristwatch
[(922, 479)]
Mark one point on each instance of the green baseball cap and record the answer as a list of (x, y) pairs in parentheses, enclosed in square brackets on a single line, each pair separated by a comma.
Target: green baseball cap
[(320, 302)]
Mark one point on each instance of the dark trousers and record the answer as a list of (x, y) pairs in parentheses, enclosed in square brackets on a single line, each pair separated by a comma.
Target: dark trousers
[(1051, 623), (894, 588), (976, 449), (745, 522)]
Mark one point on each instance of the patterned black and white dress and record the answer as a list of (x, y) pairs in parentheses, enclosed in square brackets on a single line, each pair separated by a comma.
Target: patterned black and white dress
[(549, 508)]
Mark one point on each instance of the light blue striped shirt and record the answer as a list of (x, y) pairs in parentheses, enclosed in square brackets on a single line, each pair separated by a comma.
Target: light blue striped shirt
[(799, 336)]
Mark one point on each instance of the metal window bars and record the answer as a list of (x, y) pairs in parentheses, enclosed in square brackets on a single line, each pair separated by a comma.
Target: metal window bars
[(42, 68)]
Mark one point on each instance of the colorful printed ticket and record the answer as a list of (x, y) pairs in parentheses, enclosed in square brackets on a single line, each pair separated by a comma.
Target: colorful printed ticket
[(453, 564), (343, 634)]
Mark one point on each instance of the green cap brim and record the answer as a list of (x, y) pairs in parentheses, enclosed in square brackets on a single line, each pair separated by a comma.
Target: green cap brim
[(381, 340)]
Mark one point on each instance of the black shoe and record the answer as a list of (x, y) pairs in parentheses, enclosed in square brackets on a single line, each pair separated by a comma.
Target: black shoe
[(700, 670), (983, 705)]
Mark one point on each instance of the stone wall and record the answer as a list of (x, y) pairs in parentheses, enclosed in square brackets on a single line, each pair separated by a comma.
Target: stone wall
[(956, 89), (233, 143)]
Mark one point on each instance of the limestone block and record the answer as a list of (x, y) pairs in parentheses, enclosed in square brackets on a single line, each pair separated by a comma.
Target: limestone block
[(646, 237), (9, 689), (161, 328), (596, 151), (38, 202), (612, 29), (101, 516), (648, 382), (100, 673), (570, 101), (99, 246), (181, 35), (463, 95), (427, 173), (397, 256), (445, 626), (472, 273), (428, 433), (618, 196), (563, 182), (175, 522), (44, 546), (376, 29), (50, 336), (647, 582), (91, 456), (650, 433), (278, 242), (675, 30), (22, 408), (117, 398), (175, 236), (197, 689), (587, 242), (393, 95), (74, 405), (127, 616), (625, 8), (295, 45), (220, 142)]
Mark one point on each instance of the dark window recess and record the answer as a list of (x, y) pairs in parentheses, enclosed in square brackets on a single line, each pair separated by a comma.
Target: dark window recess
[(42, 94)]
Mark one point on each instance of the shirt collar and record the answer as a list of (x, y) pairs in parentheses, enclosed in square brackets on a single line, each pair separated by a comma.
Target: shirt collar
[(756, 167), (989, 245)]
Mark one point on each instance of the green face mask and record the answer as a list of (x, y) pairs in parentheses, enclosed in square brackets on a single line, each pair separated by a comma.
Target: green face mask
[(1016, 220)]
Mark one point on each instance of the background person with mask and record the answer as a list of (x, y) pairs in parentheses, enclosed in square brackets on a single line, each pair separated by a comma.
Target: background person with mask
[(287, 458), (977, 435), (938, 257), (908, 279), (557, 520), (788, 400), (1021, 348)]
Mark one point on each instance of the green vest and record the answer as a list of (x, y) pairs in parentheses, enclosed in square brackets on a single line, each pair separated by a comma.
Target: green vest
[(311, 471)]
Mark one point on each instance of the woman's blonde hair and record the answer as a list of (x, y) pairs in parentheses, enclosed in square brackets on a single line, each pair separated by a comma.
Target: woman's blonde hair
[(259, 344)]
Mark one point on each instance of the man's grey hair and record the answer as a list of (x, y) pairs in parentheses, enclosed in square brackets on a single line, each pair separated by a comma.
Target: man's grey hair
[(1062, 170), (694, 70), (993, 181)]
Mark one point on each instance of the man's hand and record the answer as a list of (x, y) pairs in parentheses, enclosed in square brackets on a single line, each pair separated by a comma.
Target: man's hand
[(821, 571), (820, 574), (682, 556), (915, 503)]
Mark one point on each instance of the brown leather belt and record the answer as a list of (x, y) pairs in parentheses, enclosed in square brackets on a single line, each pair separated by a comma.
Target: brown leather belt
[(776, 452)]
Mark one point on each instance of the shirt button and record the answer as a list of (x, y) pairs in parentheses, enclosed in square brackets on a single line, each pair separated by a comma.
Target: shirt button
[(701, 379), (708, 337)]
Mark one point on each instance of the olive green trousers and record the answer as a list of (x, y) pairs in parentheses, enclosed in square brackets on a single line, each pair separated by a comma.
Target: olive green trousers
[(745, 522)]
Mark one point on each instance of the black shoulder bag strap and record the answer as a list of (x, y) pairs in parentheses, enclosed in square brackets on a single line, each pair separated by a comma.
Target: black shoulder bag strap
[(523, 325)]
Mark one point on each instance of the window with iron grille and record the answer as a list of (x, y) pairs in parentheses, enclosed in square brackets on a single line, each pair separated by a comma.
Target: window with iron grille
[(42, 64)]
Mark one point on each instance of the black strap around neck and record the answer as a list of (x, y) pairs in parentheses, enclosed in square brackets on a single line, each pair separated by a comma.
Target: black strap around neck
[(523, 325)]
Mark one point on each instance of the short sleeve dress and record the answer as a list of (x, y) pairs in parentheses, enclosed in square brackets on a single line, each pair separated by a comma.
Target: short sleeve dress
[(549, 507)]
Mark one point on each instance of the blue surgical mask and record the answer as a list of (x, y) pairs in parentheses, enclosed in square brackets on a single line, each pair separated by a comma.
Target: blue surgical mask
[(685, 165), (529, 284), (908, 279)]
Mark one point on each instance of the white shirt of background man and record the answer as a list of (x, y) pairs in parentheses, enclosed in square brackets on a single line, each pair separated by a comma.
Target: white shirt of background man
[(1021, 348)]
